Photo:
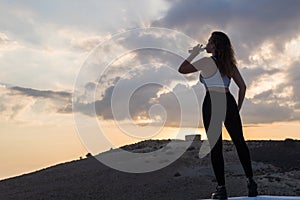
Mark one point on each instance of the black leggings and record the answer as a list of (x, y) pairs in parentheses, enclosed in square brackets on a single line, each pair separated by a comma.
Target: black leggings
[(234, 127)]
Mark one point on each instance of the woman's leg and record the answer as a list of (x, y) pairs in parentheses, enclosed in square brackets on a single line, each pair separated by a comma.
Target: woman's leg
[(216, 152), (217, 161), (233, 125)]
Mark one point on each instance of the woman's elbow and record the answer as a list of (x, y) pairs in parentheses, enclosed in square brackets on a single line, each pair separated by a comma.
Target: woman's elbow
[(181, 71), (243, 87)]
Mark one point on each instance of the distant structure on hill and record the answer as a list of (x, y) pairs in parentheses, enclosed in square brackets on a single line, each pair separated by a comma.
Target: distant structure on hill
[(88, 155), (195, 137)]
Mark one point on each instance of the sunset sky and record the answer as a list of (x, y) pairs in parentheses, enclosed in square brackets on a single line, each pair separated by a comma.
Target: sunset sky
[(45, 45)]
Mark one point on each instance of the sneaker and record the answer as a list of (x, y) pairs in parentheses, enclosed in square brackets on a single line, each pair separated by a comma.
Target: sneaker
[(220, 193), (252, 188)]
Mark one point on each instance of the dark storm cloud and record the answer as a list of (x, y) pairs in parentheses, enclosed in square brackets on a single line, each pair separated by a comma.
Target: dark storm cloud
[(271, 105), (248, 23), (264, 112), (264, 95), (139, 102), (293, 79), (252, 74), (277, 103), (267, 107), (143, 98), (138, 105), (13, 99), (42, 93)]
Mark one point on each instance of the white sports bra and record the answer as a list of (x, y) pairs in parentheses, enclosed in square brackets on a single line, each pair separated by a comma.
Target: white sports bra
[(216, 80)]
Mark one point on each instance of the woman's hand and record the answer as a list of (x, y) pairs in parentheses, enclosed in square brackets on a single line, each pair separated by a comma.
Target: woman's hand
[(196, 50)]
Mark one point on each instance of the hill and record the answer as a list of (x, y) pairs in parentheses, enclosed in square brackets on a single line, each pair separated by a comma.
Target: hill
[(275, 163)]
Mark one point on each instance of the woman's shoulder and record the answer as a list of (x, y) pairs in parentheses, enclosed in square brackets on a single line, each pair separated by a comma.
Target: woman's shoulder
[(206, 60), (206, 65)]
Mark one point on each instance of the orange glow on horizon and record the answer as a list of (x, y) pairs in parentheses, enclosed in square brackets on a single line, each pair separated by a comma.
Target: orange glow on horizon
[(29, 148)]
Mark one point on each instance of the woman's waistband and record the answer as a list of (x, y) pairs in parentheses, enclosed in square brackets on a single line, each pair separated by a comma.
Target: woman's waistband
[(218, 89)]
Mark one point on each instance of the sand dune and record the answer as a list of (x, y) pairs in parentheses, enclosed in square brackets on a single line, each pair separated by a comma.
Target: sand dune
[(276, 167)]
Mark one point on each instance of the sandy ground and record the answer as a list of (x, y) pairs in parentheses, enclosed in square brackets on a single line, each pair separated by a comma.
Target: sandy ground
[(275, 163)]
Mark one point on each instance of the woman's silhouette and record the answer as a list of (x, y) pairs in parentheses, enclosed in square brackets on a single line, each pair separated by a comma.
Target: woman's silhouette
[(216, 74)]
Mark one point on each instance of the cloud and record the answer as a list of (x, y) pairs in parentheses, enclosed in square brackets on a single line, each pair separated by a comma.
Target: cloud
[(100, 16), (27, 104), (293, 79), (132, 97), (6, 44), (51, 67), (293, 82), (248, 23), (50, 43), (259, 31), (266, 88), (264, 112), (45, 94), (273, 95)]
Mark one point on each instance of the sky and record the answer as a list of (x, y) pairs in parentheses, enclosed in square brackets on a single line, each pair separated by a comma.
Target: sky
[(69, 69)]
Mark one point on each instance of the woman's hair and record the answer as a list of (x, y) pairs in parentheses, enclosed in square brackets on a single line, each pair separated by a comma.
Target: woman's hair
[(225, 58)]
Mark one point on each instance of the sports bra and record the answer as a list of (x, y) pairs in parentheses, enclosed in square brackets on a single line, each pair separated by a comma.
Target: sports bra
[(216, 80)]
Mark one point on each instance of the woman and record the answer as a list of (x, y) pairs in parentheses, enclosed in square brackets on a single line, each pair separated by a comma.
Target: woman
[(221, 66)]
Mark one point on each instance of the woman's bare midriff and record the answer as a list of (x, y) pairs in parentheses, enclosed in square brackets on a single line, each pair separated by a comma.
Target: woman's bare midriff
[(217, 89)]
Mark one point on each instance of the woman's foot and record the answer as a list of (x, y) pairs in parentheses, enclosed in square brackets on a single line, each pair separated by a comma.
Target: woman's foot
[(252, 188), (220, 193)]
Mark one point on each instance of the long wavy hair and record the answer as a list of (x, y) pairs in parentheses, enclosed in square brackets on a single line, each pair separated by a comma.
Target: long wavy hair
[(225, 57)]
